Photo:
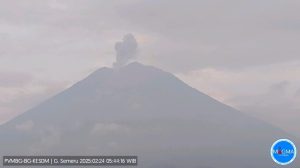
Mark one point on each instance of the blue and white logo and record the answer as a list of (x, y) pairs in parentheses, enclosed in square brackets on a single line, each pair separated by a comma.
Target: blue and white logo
[(283, 151)]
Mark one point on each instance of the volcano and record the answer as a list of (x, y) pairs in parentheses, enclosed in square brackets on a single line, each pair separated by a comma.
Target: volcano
[(144, 111)]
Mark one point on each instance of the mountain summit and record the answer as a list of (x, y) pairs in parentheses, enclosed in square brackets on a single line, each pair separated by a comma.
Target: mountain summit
[(144, 111)]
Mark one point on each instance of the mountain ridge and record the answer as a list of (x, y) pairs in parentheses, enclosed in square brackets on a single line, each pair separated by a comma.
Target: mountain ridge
[(146, 111)]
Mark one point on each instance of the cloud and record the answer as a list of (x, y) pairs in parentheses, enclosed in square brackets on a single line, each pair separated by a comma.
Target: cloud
[(232, 34), (223, 84), (125, 50), (26, 126), (108, 128), (193, 34), (270, 93), (221, 47), (16, 100), (14, 79), (49, 137), (297, 94), (278, 106)]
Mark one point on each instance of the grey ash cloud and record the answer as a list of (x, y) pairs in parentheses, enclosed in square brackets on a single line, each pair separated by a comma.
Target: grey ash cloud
[(126, 50)]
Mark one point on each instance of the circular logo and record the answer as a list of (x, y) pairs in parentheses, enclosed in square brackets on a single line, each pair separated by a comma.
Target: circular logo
[(283, 151)]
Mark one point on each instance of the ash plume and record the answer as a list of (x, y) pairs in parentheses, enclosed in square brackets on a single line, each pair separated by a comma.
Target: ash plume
[(125, 50)]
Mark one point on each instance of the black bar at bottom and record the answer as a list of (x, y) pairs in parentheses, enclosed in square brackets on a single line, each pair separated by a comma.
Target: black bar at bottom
[(70, 160)]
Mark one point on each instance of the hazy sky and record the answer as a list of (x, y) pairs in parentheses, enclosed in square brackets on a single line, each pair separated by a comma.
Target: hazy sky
[(243, 53)]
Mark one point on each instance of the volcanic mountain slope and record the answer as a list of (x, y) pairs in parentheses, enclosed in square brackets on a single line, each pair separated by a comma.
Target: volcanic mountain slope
[(140, 110)]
